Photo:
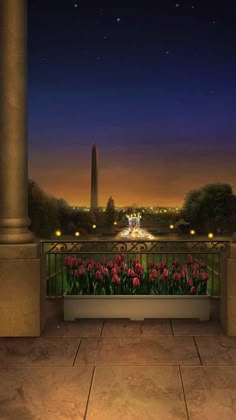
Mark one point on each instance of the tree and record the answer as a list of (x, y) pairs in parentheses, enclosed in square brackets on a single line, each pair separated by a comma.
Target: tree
[(211, 208), (110, 213)]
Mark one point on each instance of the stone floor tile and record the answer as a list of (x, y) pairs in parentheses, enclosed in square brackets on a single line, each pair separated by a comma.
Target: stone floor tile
[(159, 350), (78, 328), (44, 393), (128, 328), (136, 393), (217, 350), (38, 351), (196, 327), (210, 392)]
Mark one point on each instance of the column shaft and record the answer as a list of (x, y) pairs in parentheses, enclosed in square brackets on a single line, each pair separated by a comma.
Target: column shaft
[(14, 219)]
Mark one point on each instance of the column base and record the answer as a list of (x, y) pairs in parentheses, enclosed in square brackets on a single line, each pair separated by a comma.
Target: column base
[(23, 290)]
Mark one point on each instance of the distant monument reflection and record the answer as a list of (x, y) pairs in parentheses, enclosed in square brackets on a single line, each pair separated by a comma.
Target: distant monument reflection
[(134, 231)]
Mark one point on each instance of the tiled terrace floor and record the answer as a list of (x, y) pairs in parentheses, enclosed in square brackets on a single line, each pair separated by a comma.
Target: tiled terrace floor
[(120, 369)]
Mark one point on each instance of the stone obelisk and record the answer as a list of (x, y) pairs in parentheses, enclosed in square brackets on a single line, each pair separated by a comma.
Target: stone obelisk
[(94, 177)]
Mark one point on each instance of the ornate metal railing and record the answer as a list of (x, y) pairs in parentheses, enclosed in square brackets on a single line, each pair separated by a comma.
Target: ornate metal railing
[(212, 252)]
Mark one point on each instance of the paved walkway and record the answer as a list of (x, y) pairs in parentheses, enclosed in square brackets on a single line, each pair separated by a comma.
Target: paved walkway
[(120, 370)]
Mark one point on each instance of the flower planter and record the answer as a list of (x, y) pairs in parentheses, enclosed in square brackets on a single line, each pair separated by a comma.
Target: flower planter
[(136, 307)]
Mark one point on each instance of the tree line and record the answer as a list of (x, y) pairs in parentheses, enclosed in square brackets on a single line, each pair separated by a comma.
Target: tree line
[(211, 208)]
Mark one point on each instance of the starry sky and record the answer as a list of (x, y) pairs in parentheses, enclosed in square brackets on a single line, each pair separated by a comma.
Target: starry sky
[(151, 83)]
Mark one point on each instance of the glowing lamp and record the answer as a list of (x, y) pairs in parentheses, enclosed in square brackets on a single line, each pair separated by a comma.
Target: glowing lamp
[(115, 223), (94, 226), (77, 233), (58, 233), (192, 232), (171, 226), (210, 235)]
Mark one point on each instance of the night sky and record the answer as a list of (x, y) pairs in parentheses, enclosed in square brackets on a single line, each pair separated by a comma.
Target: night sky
[(153, 85)]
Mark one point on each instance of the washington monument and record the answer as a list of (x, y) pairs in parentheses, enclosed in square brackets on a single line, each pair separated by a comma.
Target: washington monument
[(94, 177)]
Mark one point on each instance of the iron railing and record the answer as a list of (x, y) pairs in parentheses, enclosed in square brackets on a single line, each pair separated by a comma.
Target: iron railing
[(212, 252)]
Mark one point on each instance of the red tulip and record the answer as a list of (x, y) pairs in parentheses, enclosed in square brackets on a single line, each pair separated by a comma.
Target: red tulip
[(154, 273), (136, 282), (90, 267), (131, 273), (115, 279), (73, 262), (126, 267), (113, 271), (138, 268), (190, 282), (106, 272), (165, 272), (76, 273), (193, 290), (67, 260), (98, 275), (81, 270), (151, 278), (150, 265), (176, 277)]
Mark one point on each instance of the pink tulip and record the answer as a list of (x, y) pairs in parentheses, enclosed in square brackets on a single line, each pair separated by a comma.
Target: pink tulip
[(98, 275), (156, 266), (135, 261), (131, 273), (76, 273), (90, 267), (136, 282), (138, 268), (203, 276), (182, 274), (110, 264), (165, 272), (154, 273), (150, 265), (106, 272), (126, 267)]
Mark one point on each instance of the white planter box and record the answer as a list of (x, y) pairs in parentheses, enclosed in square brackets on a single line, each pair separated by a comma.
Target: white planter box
[(136, 307)]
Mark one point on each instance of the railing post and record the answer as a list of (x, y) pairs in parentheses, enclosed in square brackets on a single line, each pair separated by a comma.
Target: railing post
[(228, 290)]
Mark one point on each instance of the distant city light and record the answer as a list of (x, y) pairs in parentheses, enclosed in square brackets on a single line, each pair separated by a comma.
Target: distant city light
[(192, 232), (94, 226), (77, 233), (210, 235), (115, 223), (58, 233), (165, 210), (171, 226)]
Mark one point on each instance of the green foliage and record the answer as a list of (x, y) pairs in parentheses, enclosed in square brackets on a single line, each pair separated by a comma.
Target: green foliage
[(212, 208)]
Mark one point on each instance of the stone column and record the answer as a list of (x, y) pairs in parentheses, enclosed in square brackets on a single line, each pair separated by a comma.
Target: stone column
[(22, 277), (14, 219), (228, 290)]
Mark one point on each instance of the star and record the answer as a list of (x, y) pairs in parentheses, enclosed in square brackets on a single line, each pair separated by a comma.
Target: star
[(167, 52), (177, 5), (75, 5), (118, 19), (193, 7), (213, 22)]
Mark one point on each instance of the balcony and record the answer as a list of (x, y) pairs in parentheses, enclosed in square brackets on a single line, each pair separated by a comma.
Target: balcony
[(119, 369)]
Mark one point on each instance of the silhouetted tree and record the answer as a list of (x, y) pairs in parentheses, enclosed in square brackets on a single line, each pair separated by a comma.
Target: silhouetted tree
[(211, 208), (110, 213)]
